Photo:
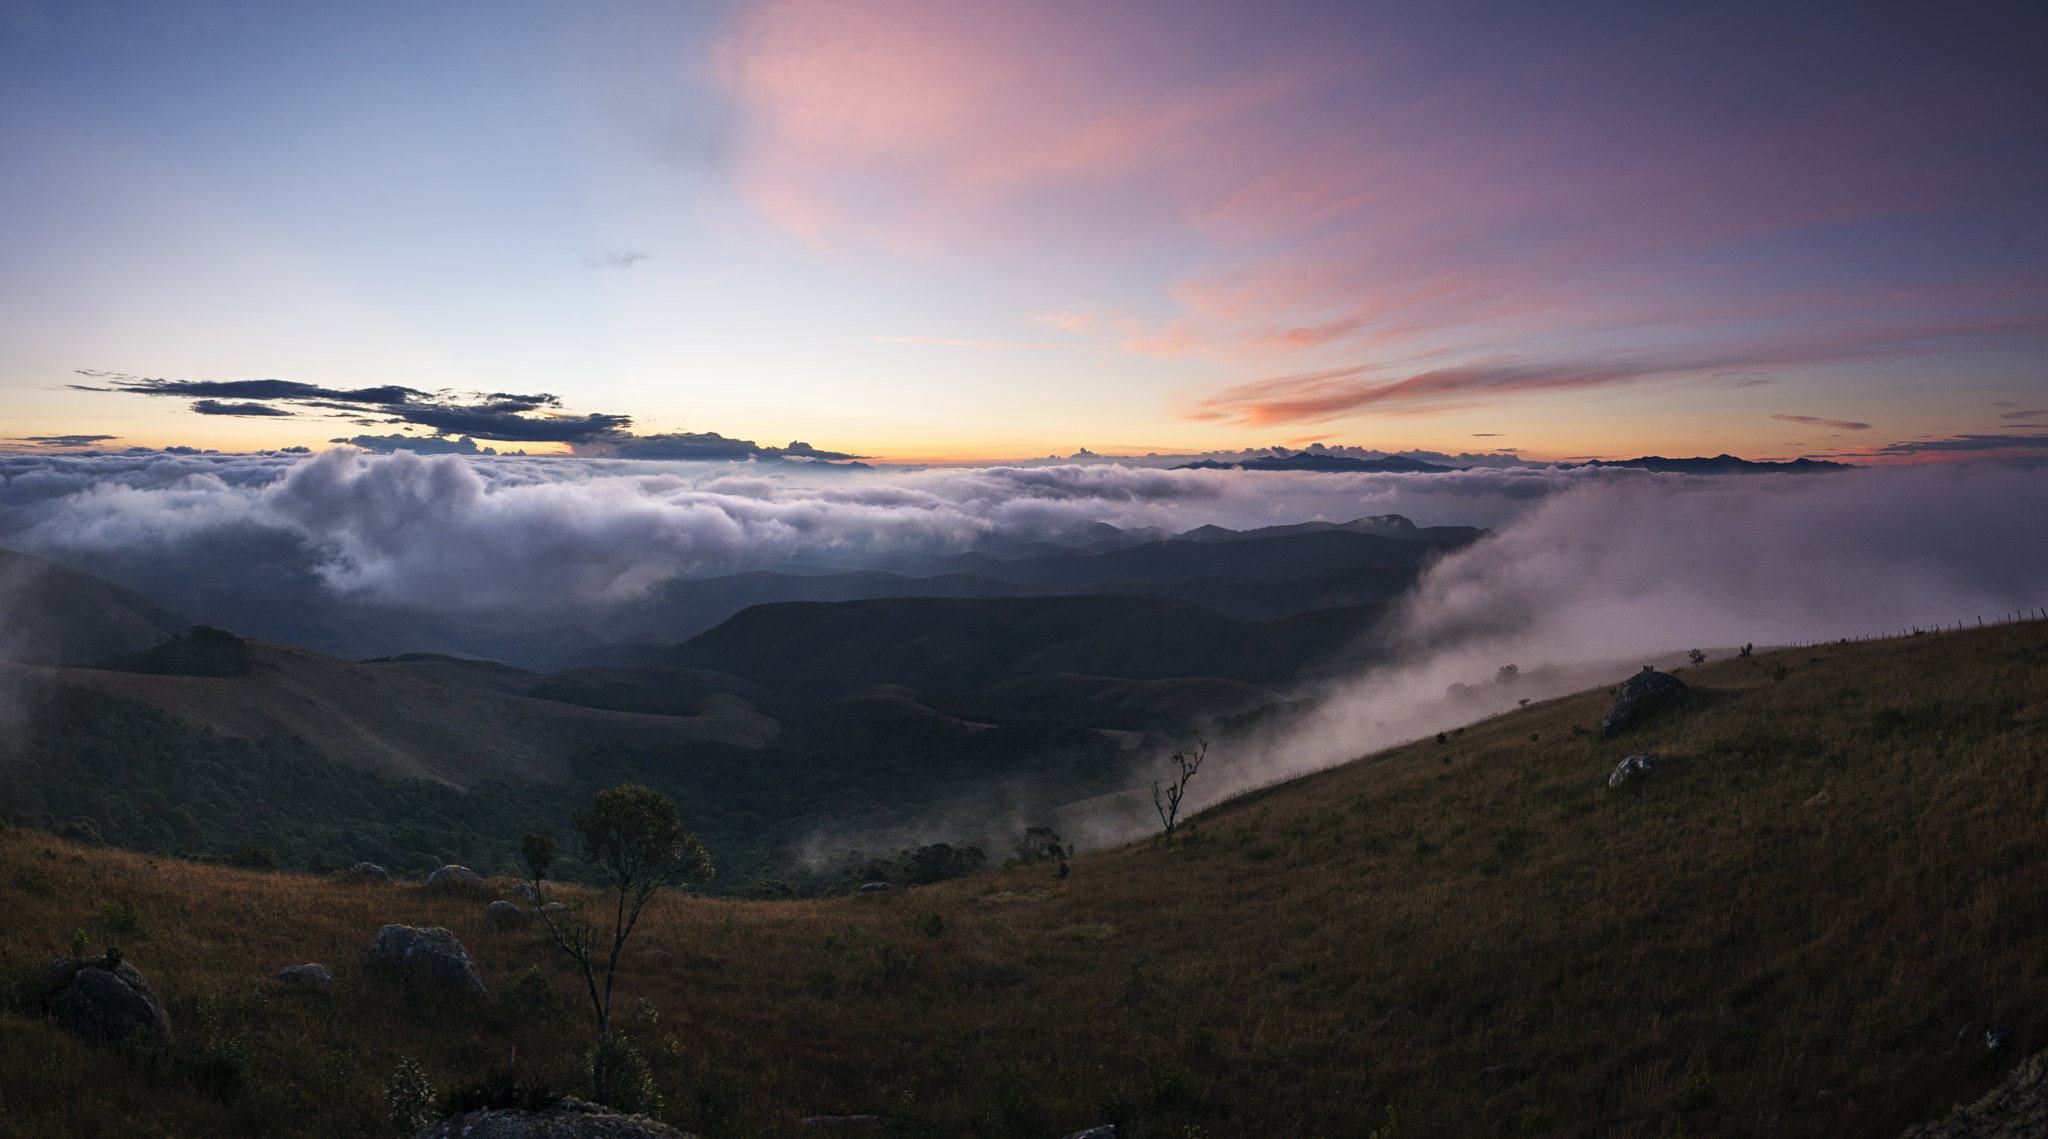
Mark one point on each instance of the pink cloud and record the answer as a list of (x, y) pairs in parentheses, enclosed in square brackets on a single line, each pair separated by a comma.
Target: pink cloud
[(1314, 397), (1382, 195)]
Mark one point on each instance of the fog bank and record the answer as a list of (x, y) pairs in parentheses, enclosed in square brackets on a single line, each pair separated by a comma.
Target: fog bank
[(1610, 574)]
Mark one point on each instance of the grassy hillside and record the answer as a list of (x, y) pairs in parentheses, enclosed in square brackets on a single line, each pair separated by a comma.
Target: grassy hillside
[(394, 719), (53, 614), (1779, 933)]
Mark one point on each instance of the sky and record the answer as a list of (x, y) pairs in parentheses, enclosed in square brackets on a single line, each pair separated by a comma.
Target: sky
[(929, 230)]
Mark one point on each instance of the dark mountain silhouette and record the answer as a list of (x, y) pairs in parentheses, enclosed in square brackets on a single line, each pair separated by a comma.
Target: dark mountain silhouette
[(1254, 575), (817, 651), (1307, 461), (1184, 559), (52, 614), (1723, 464)]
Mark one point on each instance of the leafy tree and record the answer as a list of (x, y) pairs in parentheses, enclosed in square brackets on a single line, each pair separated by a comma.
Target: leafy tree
[(538, 852), (633, 836), (1040, 844)]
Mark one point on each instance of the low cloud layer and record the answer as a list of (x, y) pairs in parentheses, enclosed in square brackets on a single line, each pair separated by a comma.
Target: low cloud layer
[(1614, 573), (1587, 565), (472, 534)]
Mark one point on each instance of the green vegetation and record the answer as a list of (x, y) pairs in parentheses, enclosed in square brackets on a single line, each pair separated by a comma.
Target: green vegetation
[(632, 835), (99, 768), (200, 651), (1780, 930)]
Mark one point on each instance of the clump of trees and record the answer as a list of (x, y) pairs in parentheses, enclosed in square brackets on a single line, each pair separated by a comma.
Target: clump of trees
[(201, 651)]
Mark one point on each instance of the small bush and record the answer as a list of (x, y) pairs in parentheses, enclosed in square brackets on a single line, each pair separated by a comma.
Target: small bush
[(932, 925), (119, 918), (500, 1091), (409, 1097), (620, 1077), (531, 996), (249, 856)]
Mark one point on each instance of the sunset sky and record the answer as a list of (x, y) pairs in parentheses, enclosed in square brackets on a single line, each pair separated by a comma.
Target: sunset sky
[(931, 229)]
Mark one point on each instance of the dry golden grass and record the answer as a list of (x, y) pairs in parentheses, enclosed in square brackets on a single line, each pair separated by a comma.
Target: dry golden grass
[(1780, 933)]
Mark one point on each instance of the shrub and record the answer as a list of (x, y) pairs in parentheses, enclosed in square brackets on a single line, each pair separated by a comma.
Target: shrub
[(500, 1091), (119, 918), (249, 856), (409, 1097), (620, 1077), (531, 996)]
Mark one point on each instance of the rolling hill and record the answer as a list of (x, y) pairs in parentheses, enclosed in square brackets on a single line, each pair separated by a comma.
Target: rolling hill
[(399, 721), (51, 614), (816, 651), (1799, 924)]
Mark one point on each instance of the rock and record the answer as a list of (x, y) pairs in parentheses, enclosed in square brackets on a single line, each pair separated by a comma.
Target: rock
[(1998, 1040), (1106, 1131), (106, 999), (873, 887), (556, 910), (1641, 761), (431, 954), (570, 1119), (452, 875), (366, 872), (311, 976), (2016, 1107), (526, 890), (505, 915), (844, 1124), (1643, 695)]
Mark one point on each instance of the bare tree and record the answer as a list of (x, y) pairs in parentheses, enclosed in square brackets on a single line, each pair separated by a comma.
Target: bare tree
[(1166, 798)]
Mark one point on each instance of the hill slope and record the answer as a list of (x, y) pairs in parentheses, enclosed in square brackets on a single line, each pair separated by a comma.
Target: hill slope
[(818, 650), (1781, 931), (51, 614), (403, 722)]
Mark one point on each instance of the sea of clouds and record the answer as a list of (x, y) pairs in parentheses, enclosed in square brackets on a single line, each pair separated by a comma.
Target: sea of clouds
[(1588, 574)]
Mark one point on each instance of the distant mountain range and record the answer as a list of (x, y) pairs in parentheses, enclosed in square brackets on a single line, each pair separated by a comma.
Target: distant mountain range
[(1138, 631), (1395, 464)]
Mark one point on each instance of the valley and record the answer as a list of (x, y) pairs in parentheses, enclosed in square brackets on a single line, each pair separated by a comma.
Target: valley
[(1787, 928)]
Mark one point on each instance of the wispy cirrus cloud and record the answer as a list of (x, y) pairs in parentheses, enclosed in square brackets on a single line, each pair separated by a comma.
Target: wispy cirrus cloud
[(502, 416), (1816, 421), (1317, 396), (953, 343), (64, 441), (1411, 387), (1990, 446)]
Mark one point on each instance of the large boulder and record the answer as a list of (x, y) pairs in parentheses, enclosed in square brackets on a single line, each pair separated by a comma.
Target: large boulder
[(572, 1118), (452, 875), (106, 999), (365, 872), (1641, 761), (1645, 693), (505, 915), (312, 976), (430, 955)]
